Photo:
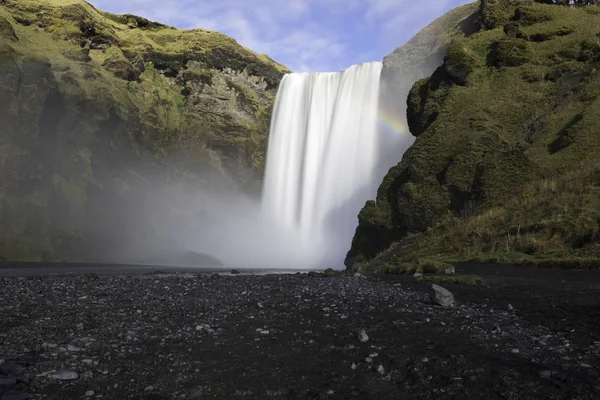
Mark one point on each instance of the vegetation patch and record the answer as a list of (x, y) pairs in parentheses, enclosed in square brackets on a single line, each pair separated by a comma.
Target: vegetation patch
[(471, 280), (505, 167)]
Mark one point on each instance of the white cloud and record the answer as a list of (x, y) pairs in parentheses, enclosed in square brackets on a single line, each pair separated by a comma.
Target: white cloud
[(302, 34)]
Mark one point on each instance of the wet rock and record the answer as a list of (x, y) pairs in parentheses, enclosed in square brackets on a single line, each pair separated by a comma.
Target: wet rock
[(11, 368), (362, 336), (441, 296), (7, 381), (15, 395), (195, 392), (64, 375), (546, 374)]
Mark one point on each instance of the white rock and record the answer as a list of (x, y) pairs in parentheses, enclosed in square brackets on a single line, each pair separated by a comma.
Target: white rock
[(450, 271)]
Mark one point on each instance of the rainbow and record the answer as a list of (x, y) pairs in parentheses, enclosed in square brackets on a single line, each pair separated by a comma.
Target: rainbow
[(391, 122)]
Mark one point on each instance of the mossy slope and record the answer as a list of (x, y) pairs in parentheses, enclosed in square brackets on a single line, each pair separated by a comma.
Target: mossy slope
[(97, 108), (506, 162)]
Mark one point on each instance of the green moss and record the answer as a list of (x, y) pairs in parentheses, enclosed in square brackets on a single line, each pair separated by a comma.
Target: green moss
[(87, 96), (330, 273), (505, 164)]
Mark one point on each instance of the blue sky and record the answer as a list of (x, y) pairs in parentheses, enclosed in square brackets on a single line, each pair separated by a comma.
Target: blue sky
[(304, 35)]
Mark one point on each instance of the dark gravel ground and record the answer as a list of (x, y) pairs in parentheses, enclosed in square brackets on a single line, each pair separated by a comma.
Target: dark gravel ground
[(193, 335)]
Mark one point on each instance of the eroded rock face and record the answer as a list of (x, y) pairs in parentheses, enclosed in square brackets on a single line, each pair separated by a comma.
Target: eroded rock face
[(99, 113)]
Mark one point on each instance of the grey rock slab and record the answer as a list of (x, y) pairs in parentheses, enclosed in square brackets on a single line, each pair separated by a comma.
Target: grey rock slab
[(64, 374)]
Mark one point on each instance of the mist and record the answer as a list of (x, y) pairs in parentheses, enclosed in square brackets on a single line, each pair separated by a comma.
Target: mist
[(216, 217)]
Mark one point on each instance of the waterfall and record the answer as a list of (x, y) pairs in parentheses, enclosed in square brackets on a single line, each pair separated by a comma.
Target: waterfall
[(322, 157)]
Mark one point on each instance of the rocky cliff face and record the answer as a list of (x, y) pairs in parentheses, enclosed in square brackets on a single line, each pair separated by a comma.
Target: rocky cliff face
[(505, 162), (99, 113), (415, 60)]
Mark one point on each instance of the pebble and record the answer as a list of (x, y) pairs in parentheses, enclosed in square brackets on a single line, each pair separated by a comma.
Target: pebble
[(362, 336), (546, 374), (515, 351), (90, 393), (441, 296), (195, 392)]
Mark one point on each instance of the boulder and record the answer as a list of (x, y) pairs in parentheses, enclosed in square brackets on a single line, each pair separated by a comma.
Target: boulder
[(441, 296)]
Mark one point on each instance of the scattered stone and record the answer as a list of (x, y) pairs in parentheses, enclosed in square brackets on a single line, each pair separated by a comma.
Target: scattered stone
[(381, 370), (441, 296), (450, 271), (515, 351), (510, 307), (64, 375), (353, 366), (362, 336), (90, 393)]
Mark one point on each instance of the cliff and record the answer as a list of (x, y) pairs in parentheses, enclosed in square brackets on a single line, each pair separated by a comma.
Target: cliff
[(505, 164), (100, 112)]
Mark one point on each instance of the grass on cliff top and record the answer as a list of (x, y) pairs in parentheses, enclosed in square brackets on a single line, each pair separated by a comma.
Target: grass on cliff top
[(61, 18)]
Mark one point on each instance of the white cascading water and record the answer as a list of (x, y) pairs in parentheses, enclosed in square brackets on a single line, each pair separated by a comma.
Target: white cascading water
[(321, 157)]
